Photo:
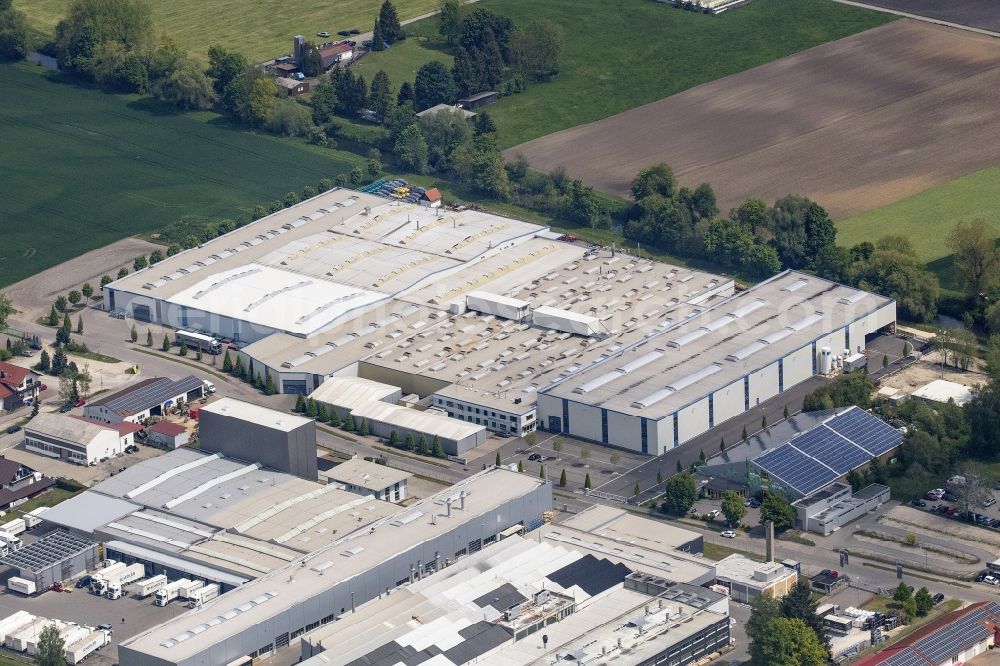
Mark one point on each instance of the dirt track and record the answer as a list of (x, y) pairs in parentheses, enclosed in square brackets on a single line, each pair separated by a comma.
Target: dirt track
[(976, 13), (855, 124)]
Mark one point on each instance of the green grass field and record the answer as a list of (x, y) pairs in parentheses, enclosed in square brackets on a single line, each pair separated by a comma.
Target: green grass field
[(928, 217), (619, 55), (259, 29), (402, 61), (84, 169)]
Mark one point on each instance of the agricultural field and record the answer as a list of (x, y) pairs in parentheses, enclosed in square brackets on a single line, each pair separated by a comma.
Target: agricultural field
[(973, 13), (619, 55), (261, 30), (855, 124), (927, 218), (93, 168)]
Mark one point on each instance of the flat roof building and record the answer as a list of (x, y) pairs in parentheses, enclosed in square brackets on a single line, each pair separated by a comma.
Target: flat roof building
[(278, 440), (942, 390), (719, 362), (367, 478), (263, 615), (747, 579), (144, 399)]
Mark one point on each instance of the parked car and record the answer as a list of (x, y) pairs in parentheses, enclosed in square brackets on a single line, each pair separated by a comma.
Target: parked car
[(12, 429), (937, 598), (982, 575), (949, 497), (534, 457), (106, 627), (754, 503), (65, 408), (323, 34), (80, 403), (27, 352), (131, 448), (991, 580), (918, 502), (990, 501), (83, 582), (729, 534)]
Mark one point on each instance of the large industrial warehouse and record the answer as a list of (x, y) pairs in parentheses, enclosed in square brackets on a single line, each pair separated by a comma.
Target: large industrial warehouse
[(472, 317), (266, 614), (722, 361)]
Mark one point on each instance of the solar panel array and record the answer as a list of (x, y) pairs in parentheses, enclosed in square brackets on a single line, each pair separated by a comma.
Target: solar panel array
[(943, 645), (816, 457), (905, 657), (149, 395)]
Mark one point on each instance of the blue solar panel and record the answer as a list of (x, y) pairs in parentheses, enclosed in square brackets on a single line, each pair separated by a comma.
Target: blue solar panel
[(796, 469), (831, 449), (905, 657), (950, 641), (869, 432)]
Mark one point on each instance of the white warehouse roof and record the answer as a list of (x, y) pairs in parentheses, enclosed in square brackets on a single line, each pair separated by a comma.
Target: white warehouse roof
[(942, 390)]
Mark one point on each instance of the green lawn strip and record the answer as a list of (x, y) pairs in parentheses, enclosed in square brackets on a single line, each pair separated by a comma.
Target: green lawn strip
[(620, 55), (927, 218), (403, 454), (177, 359), (105, 167), (94, 356), (714, 551), (262, 30), (49, 498)]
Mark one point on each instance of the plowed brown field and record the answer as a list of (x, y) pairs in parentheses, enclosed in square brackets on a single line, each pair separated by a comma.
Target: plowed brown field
[(854, 124)]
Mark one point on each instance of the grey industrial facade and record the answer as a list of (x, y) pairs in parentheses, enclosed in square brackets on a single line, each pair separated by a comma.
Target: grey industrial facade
[(56, 557), (248, 432), (716, 364), (273, 610)]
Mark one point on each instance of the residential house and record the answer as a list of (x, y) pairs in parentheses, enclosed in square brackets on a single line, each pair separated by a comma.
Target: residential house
[(19, 483), (17, 385)]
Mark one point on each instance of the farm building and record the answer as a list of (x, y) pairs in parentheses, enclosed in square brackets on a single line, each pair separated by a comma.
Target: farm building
[(144, 399), (277, 440), (17, 385), (707, 6), (431, 198), (292, 87), (479, 100), (367, 478), (167, 434), (805, 454), (78, 440), (719, 362), (956, 638), (469, 115)]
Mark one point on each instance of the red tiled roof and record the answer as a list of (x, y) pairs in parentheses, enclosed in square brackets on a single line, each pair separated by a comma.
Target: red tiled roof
[(167, 428), (12, 375), (126, 427), (5, 392), (433, 194), (908, 642)]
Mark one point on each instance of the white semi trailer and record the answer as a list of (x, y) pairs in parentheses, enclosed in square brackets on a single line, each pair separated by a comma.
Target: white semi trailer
[(169, 592), (21, 585), (19, 641), (114, 585), (14, 623), (83, 648), (99, 581), (203, 595), (146, 587)]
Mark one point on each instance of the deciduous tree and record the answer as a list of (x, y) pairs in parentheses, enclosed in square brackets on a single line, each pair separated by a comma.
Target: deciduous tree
[(433, 85), (450, 21), (380, 100), (680, 494), (732, 508), (976, 257), (778, 510)]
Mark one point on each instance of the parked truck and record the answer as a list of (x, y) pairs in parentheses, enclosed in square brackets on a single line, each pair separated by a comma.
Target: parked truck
[(185, 591), (68, 632), (33, 518), (146, 587), (114, 585), (203, 595), (10, 542), (83, 648), (14, 623), (21, 585), (14, 527), (99, 581), (169, 592)]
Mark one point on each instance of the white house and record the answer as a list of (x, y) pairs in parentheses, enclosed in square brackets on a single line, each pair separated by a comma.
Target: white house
[(368, 478), (76, 439), (17, 385)]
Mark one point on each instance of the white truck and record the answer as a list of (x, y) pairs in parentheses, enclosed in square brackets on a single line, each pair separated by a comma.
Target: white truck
[(146, 587), (69, 632), (33, 518), (115, 585), (203, 595), (13, 623), (83, 648), (169, 592), (14, 527), (189, 587), (209, 387), (99, 580), (12, 542), (21, 585)]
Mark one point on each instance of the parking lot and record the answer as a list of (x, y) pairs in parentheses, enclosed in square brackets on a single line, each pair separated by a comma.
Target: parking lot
[(85, 474), (128, 616)]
